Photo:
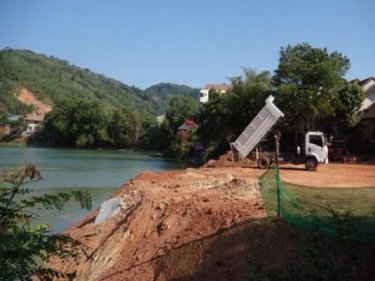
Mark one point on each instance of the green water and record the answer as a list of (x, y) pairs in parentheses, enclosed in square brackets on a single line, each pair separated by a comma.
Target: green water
[(98, 171)]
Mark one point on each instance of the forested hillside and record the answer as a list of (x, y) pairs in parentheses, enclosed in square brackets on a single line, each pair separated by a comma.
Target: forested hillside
[(54, 80), (160, 95)]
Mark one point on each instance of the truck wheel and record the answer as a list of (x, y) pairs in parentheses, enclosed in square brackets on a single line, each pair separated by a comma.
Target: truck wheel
[(311, 163), (264, 163)]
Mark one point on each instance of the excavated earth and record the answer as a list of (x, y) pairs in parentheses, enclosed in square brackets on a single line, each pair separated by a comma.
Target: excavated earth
[(195, 224), (27, 97)]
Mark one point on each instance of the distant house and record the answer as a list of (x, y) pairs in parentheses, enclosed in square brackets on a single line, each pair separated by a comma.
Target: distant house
[(368, 126), (13, 117), (367, 108), (205, 91), (367, 115), (160, 119), (33, 120), (368, 86), (187, 125)]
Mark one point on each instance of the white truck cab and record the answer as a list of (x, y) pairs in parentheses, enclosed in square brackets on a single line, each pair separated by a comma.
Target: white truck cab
[(316, 150), (316, 147)]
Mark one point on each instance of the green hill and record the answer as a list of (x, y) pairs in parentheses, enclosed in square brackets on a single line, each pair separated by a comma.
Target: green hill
[(159, 95), (53, 80)]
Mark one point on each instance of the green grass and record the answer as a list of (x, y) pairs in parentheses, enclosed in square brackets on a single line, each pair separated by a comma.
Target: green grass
[(331, 210)]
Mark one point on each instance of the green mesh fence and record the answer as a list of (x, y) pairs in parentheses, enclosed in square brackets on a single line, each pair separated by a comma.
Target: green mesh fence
[(345, 212)]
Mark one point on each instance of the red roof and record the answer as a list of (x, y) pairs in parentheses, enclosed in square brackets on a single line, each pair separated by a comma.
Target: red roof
[(188, 124)]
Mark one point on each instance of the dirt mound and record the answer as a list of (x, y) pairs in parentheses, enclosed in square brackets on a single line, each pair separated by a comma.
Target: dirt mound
[(27, 97), (195, 224), (226, 160), (161, 212)]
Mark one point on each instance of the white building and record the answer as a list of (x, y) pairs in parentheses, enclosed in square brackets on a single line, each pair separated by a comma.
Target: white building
[(205, 91), (368, 86), (33, 120), (30, 130), (368, 112)]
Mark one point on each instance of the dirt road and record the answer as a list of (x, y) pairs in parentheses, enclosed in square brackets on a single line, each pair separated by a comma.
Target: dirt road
[(331, 175)]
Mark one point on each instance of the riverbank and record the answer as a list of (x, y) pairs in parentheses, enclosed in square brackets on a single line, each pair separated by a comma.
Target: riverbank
[(99, 172), (14, 142), (197, 224)]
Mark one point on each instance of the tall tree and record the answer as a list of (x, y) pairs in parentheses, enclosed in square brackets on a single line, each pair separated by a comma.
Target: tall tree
[(225, 116), (308, 81), (76, 123), (247, 97), (348, 104), (180, 108), (124, 129)]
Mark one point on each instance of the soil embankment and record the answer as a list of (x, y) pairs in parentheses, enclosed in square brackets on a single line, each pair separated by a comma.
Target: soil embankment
[(40, 108), (195, 224)]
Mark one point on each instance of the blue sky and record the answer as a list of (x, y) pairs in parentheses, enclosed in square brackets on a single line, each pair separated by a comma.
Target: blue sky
[(145, 42)]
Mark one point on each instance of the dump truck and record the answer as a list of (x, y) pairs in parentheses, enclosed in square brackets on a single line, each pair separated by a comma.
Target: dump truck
[(313, 151)]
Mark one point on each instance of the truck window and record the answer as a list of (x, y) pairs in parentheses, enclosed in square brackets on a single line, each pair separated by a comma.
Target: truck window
[(317, 140)]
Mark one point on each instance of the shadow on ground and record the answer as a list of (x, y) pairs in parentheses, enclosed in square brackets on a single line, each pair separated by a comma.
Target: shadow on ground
[(267, 249)]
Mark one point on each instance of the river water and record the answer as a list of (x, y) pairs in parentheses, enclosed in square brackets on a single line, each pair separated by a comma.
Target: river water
[(99, 172)]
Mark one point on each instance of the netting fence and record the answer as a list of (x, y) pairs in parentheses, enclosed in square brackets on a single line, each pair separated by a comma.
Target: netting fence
[(345, 212)]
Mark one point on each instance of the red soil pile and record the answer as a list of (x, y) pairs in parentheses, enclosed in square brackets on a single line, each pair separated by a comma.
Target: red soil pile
[(195, 224)]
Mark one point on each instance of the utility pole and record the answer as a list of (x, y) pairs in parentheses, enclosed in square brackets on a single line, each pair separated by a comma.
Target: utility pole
[(277, 176)]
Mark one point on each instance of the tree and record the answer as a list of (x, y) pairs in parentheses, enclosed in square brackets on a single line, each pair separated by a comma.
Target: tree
[(308, 81), (180, 108), (76, 123), (83, 124), (247, 97), (148, 130), (182, 144), (24, 244), (125, 127), (3, 119), (225, 116), (349, 102)]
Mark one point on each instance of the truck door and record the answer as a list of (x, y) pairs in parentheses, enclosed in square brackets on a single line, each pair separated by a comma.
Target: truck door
[(315, 146)]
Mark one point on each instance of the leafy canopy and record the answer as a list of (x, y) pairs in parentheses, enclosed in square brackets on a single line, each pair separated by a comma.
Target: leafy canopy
[(308, 82), (165, 136), (54, 80), (24, 244), (83, 124), (224, 116), (77, 123), (348, 104)]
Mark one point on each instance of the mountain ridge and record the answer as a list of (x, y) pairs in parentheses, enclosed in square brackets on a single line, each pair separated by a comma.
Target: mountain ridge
[(54, 80)]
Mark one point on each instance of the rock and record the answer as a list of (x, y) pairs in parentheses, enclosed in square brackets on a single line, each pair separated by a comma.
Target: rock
[(161, 206), (258, 206), (211, 163), (161, 227), (236, 218), (109, 208), (226, 223)]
